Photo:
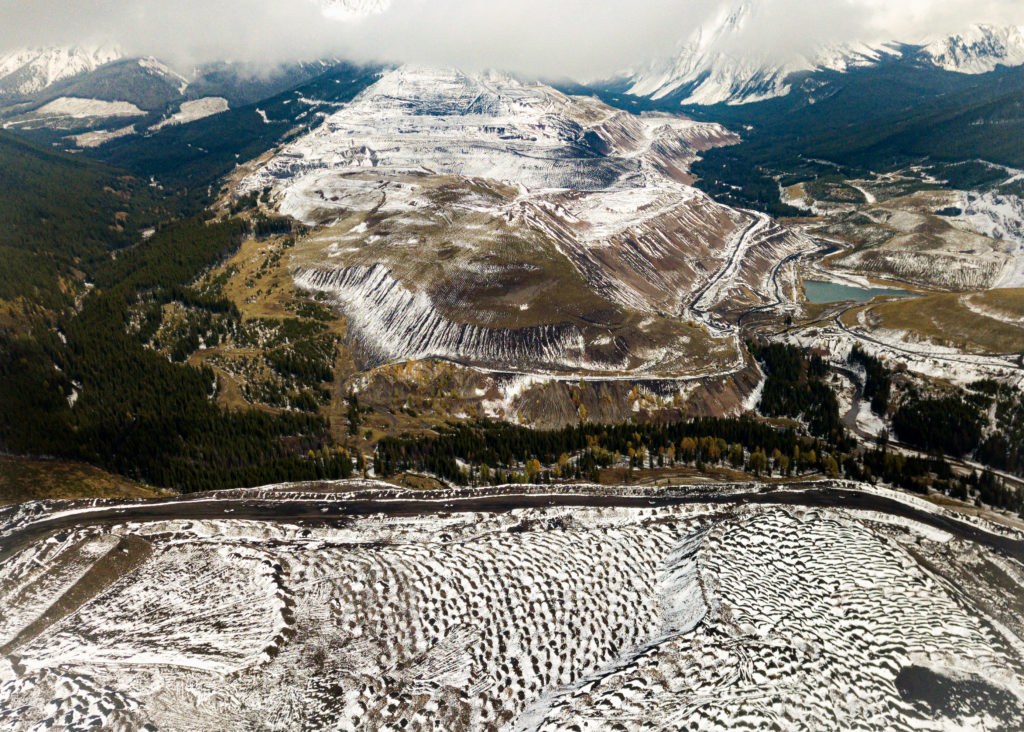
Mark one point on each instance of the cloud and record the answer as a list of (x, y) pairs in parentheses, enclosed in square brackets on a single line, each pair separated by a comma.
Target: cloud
[(552, 38)]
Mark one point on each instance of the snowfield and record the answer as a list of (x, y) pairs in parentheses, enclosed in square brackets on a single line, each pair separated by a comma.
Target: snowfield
[(194, 110), (100, 137), (691, 616), (86, 108)]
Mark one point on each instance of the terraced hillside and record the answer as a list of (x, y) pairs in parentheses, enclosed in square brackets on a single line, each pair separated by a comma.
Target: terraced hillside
[(506, 225)]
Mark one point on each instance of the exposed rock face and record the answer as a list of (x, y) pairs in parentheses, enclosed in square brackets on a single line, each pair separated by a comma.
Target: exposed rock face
[(396, 324)]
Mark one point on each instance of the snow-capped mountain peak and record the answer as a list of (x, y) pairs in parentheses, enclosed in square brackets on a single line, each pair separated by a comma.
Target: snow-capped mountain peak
[(708, 71), (979, 50), (31, 70), (845, 57), (714, 66)]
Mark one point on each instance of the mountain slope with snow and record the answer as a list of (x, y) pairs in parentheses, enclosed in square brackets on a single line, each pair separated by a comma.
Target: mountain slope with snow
[(716, 65), (480, 219), (979, 50), (704, 73), (28, 71)]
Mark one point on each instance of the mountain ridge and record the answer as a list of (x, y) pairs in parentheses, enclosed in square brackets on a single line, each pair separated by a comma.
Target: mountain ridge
[(706, 70)]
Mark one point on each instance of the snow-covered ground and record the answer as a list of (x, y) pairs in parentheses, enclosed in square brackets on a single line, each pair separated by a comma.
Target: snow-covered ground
[(194, 110), (488, 126), (924, 358), (694, 616), (999, 217), (99, 137), (85, 108)]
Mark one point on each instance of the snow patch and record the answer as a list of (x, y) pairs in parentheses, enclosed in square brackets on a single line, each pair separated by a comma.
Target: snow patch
[(85, 108), (194, 110)]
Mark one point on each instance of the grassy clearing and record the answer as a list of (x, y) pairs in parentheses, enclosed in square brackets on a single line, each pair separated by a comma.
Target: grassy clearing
[(946, 320), (1004, 304), (980, 511), (27, 479), (257, 279)]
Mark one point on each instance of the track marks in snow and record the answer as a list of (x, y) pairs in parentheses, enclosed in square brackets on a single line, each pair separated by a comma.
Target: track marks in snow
[(208, 607), (688, 617), (812, 617)]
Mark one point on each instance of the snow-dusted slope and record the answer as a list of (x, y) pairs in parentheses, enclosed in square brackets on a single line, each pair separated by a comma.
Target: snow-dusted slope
[(478, 218), (707, 74), (398, 324), (848, 56), (702, 616), (194, 110), (715, 64), (418, 120), (28, 71), (702, 75), (979, 50), (85, 108)]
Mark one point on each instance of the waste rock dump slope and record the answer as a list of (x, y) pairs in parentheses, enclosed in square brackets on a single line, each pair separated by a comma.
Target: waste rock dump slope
[(700, 615)]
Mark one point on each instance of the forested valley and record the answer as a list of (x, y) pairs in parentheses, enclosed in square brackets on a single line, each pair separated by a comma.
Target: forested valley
[(76, 384)]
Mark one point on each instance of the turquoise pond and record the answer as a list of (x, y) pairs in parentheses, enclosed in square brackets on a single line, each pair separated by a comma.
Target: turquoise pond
[(826, 292)]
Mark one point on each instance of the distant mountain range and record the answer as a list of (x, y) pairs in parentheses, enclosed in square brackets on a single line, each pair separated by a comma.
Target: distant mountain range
[(709, 69), (32, 70), (869, 104), (981, 49), (714, 65)]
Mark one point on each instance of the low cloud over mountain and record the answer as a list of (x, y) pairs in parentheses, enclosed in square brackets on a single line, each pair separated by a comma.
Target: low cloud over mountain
[(583, 39)]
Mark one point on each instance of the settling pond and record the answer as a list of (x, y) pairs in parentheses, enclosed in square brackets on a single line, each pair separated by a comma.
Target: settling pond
[(827, 292)]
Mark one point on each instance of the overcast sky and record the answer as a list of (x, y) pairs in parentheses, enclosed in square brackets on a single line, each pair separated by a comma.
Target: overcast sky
[(580, 38)]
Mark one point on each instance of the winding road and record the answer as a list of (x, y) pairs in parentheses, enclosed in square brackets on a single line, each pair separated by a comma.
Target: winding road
[(708, 296), (992, 360), (323, 512)]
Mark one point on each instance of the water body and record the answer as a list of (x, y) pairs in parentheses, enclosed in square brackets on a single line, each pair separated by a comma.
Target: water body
[(827, 292)]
